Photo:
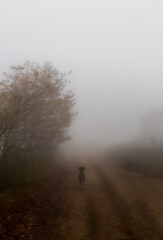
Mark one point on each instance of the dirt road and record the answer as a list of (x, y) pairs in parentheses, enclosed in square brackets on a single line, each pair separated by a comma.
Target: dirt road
[(115, 204)]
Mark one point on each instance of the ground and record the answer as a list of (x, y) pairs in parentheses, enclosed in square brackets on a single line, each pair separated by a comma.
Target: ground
[(115, 204)]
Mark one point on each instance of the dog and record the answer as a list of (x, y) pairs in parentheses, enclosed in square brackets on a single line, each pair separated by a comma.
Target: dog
[(82, 176)]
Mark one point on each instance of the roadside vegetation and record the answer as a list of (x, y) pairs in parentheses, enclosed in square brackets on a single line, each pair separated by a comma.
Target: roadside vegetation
[(144, 159), (36, 110)]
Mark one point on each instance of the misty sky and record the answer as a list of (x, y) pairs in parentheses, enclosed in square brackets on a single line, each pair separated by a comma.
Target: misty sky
[(113, 47)]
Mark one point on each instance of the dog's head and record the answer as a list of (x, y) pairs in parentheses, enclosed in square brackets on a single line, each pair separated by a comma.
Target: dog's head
[(82, 169)]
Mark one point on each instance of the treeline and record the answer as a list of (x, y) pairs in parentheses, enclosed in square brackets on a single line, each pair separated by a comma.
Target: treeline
[(147, 159), (36, 111)]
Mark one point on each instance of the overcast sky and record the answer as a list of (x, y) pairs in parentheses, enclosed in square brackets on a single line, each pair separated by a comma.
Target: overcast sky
[(113, 47)]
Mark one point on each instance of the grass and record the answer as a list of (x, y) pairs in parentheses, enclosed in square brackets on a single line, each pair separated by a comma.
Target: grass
[(22, 169)]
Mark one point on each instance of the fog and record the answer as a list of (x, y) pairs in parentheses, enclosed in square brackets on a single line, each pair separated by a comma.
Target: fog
[(114, 49)]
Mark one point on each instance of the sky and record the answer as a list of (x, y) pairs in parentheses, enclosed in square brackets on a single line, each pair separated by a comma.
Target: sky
[(113, 47)]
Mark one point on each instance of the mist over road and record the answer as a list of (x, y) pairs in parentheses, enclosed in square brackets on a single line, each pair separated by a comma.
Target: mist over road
[(115, 204)]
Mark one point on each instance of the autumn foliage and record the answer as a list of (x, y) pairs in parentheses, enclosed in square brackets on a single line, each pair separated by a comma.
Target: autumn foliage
[(36, 110)]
